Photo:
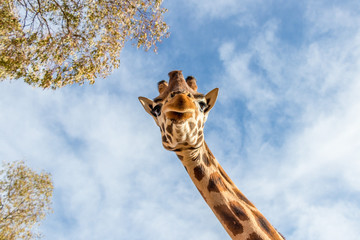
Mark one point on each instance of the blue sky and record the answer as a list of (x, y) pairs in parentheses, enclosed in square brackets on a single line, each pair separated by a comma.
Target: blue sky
[(285, 127)]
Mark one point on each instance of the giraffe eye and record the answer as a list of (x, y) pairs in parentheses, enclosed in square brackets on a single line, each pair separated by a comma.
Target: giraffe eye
[(202, 106), (156, 111)]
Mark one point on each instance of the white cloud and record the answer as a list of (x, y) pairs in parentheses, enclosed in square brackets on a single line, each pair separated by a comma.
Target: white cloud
[(113, 179), (336, 221), (309, 176), (287, 116), (218, 9), (213, 9)]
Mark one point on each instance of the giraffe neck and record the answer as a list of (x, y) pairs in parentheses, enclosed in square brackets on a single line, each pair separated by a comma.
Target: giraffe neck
[(240, 218)]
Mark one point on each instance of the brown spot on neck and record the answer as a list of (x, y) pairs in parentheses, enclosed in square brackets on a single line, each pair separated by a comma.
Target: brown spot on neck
[(205, 160), (208, 159), (228, 219), (254, 236), (239, 211), (216, 183), (266, 226), (242, 197), (199, 172)]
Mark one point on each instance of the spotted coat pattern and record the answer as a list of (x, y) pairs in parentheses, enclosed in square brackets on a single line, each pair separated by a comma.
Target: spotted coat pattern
[(180, 112)]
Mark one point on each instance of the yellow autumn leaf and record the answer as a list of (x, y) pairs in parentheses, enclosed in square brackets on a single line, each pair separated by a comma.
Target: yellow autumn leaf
[(60, 31)]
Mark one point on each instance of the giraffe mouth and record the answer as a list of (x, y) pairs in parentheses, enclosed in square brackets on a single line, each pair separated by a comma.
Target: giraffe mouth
[(179, 115), (179, 108)]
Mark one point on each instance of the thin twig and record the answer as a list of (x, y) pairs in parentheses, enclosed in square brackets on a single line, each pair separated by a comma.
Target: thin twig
[(64, 14)]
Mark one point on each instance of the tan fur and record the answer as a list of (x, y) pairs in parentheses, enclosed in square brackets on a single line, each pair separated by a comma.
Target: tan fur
[(180, 112)]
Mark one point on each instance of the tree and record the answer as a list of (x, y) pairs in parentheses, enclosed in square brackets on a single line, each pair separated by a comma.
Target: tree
[(25, 198), (53, 43)]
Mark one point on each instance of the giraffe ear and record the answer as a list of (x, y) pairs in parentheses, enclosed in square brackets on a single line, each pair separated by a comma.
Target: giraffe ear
[(211, 99), (147, 104)]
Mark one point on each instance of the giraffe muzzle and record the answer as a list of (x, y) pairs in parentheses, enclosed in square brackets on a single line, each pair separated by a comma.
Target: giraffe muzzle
[(179, 108)]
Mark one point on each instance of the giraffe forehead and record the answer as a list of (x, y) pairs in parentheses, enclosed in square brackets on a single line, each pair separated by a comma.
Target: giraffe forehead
[(165, 97)]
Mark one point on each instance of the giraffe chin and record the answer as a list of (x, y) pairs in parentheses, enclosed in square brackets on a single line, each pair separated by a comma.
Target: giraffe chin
[(178, 117)]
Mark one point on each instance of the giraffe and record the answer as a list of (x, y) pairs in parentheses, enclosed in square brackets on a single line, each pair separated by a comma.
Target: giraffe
[(181, 112)]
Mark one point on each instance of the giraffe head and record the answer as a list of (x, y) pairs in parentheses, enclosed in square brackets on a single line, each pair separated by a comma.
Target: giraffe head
[(180, 111)]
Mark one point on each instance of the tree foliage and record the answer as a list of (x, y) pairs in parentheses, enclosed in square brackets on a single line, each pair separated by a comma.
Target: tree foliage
[(53, 43), (25, 198)]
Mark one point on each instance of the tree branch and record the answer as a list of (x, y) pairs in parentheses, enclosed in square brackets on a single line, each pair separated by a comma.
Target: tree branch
[(44, 19), (64, 15)]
